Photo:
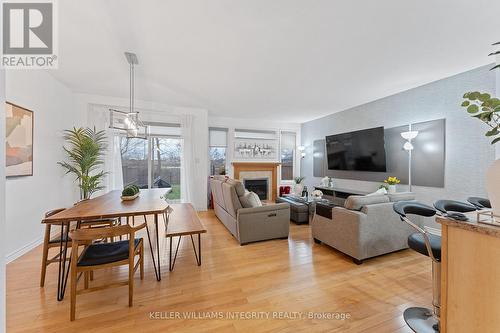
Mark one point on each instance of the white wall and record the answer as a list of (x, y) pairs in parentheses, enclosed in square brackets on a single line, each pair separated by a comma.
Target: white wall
[(2, 202), (468, 151), (255, 124), (28, 198)]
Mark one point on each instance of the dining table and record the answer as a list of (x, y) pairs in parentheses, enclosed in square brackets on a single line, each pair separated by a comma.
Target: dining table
[(109, 206)]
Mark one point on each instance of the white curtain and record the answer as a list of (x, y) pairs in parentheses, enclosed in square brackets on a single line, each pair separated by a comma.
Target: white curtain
[(98, 116), (188, 170)]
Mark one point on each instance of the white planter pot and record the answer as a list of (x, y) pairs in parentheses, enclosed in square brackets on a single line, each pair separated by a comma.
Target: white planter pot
[(392, 189), (493, 186)]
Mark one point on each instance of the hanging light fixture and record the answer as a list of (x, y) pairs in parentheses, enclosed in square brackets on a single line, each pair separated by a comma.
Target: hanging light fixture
[(129, 121)]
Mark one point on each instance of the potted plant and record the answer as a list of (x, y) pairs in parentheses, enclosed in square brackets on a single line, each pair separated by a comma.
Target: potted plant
[(130, 192), (85, 150), (391, 184), (298, 187), (486, 108)]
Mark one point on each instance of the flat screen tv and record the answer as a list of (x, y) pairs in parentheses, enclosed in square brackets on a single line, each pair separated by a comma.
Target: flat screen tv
[(357, 151)]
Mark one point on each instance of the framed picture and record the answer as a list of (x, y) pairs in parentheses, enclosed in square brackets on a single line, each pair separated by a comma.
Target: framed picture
[(19, 141), (255, 149)]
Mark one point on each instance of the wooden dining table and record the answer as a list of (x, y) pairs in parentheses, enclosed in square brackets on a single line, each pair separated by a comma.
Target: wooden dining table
[(108, 206)]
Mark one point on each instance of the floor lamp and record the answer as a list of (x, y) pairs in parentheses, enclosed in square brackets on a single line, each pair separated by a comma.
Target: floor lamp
[(408, 146)]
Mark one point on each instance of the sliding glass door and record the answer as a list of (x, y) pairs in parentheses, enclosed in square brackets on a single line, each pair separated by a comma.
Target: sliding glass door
[(153, 163), (166, 164)]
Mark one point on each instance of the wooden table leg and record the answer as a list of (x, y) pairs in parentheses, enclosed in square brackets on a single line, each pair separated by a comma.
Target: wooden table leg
[(158, 246), (158, 278)]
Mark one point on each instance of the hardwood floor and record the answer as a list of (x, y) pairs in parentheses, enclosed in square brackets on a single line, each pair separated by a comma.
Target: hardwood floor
[(293, 275)]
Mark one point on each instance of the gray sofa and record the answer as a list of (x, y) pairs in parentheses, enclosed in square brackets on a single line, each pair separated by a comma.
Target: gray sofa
[(365, 227), (251, 224)]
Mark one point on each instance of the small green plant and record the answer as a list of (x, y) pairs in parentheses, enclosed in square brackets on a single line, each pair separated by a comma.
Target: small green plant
[(383, 186), (299, 179), (135, 188), (85, 151), (128, 191), (485, 107)]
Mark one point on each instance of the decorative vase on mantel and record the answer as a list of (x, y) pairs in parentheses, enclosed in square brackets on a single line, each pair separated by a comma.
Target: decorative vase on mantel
[(391, 189), (298, 187)]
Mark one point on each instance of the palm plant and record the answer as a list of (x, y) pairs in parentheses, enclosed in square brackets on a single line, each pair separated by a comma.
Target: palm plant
[(85, 150)]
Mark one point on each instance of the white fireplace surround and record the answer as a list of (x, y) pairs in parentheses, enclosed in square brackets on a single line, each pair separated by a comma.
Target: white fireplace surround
[(248, 175)]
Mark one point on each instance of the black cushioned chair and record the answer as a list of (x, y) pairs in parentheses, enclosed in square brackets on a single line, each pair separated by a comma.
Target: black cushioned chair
[(105, 255), (480, 203)]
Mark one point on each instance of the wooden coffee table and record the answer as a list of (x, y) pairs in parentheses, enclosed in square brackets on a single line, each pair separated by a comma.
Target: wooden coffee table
[(183, 221)]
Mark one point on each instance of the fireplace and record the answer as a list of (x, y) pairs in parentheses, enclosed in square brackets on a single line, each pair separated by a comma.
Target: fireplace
[(259, 170), (258, 185)]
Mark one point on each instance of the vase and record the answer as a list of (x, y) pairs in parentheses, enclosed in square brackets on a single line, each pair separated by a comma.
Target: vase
[(297, 189), (391, 189), (493, 186)]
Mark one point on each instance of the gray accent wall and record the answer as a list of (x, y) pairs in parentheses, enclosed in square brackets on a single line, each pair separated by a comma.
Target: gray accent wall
[(428, 153), (467, 155)]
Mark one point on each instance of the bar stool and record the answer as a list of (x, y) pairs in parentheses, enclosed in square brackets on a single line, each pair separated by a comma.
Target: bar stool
[(423, 320), (480, 203)]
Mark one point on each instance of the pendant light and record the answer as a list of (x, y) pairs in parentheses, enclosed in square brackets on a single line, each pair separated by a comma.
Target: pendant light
[(128, 121)]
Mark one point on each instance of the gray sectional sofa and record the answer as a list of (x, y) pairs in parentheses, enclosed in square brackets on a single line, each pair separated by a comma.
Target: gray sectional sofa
[(365, 227), (247, 224)]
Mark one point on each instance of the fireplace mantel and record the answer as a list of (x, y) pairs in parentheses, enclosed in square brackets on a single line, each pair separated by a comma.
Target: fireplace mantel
[(259, 166)]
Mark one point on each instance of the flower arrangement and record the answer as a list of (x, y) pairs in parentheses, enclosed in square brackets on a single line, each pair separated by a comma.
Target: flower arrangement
[(317, 194), (299, 179), (392, 181)]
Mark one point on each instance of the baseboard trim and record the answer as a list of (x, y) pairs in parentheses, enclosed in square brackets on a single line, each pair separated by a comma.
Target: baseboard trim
[(23, 250)]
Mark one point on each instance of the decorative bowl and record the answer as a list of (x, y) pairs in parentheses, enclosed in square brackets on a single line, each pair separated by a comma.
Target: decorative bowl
[(131, 197)]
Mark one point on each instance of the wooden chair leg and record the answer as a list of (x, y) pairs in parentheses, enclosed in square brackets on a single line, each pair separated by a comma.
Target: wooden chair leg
[(131, 284), (141, 265), (45, 255), (73, 290)]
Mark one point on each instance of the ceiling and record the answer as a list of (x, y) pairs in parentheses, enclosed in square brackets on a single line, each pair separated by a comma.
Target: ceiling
[(288, 60)]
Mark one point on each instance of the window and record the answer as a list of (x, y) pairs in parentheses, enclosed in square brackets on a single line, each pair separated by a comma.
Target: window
[(287, 155), (155, 162), (217, 150)]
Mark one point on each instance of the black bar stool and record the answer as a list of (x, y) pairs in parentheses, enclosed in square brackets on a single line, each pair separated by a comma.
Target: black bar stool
[(480, 203), (422, 319), (454, 209)]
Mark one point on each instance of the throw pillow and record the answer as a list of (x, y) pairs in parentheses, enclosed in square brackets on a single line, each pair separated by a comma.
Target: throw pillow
[(250, 200), (379, 191)]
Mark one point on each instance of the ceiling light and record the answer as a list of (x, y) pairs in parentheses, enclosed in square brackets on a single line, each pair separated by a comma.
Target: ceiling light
[(129, 121)]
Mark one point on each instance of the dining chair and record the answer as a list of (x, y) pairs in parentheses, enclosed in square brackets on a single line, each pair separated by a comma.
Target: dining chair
[(49, 242), (101, 255)]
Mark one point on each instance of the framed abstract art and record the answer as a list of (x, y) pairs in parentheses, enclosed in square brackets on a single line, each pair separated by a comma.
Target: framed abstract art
[(19, 141)]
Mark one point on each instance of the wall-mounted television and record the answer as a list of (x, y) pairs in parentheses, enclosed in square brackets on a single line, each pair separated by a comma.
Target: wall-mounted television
[(357, 151)]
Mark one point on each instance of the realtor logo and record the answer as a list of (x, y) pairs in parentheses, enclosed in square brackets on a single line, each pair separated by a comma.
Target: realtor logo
[(28, 34)]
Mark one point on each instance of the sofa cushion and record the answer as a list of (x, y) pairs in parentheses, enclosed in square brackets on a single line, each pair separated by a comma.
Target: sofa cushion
[(216, 186), (238, 186), (250, 200), (231, 200), (356, 202), (403, 196)]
